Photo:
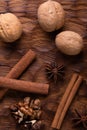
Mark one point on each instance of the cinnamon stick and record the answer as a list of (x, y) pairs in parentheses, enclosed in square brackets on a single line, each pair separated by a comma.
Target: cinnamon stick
[(24, 86), (63, 101), (18, 69), (69, 100)]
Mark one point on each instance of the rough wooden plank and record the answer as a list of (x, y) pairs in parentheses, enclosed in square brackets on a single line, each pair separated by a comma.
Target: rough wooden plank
[(43, 44)]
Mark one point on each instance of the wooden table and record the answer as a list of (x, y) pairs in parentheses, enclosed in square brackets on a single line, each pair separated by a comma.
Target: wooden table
[(44, 45)]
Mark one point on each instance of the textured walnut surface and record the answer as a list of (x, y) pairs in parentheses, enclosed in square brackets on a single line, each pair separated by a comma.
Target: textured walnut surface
[(43, 44)]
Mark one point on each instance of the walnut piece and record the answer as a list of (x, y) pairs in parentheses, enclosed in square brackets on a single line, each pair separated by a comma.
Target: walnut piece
[(69, 42), (51, 15), (10, 27)]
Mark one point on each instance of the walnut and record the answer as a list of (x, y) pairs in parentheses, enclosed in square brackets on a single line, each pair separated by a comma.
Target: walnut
[(27, 111), (69, 42), (10, 27), (51, 15)]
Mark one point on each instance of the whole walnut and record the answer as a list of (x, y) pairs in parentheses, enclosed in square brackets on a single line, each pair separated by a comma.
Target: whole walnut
[(10, 27), (69, 42), (51, 15)]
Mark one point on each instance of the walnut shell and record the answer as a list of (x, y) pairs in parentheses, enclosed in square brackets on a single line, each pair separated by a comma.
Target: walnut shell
[(51, 15), (69, 42), (10, 27)]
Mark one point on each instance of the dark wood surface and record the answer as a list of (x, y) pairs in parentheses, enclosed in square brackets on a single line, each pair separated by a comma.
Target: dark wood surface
[(44, 45)]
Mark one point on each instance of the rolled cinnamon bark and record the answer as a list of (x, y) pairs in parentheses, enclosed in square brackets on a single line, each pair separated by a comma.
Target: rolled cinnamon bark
[(69, 100), (18, 69), (64, 100), (24, 86), (23, 63)]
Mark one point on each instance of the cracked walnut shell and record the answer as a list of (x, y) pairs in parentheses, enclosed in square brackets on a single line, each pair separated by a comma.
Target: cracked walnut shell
[(10, 27), (51, 15)]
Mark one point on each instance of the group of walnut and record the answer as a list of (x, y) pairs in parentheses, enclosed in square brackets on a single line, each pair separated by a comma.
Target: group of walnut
[(51, 17)]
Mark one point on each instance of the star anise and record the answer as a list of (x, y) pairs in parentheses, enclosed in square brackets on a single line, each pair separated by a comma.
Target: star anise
[(55, 72), (80, 119)]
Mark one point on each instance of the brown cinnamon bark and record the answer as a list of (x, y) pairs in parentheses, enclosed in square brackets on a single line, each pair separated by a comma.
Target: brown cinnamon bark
[(66, 100), (69, 100), (18, 69), (63, 101), (24, 86)]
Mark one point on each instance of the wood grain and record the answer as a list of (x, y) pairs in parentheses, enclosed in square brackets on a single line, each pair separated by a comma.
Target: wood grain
[(44, 45)]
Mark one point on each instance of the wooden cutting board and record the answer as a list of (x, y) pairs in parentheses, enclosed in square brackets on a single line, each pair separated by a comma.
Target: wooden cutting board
[(44, 45)]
